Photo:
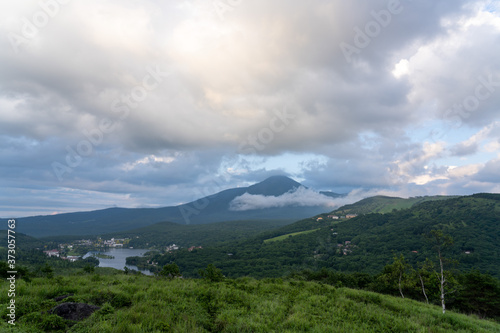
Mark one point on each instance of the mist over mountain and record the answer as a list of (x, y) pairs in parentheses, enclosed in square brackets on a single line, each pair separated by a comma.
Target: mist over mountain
[(276, 198), (300, 196)]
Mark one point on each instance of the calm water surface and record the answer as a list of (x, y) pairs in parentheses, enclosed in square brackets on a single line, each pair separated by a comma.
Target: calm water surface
[(119, 261)]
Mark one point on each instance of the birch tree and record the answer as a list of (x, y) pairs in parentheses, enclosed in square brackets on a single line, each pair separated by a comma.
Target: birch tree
[(440, 243), (397, 273), (423, 274)]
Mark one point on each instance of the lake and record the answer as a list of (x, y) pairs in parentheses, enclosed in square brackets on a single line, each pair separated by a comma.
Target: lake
[(119, 254)]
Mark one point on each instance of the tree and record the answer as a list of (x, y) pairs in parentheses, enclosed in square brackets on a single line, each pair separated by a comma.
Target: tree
[(211, 273), (47, 271), (397, 274), (90, 261), (478, 293), (89, 269), (170, 270), (424, 273), (440, 243)]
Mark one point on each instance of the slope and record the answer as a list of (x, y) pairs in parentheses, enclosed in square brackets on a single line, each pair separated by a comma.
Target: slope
[(372, 240), (148, 304), (385, 204), (213, 208), (165, 233)]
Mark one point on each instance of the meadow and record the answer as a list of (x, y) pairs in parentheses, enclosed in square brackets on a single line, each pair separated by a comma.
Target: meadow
[(137, 303)]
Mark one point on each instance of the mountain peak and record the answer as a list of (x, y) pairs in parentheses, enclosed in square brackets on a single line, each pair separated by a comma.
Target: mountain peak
[(274, 185)]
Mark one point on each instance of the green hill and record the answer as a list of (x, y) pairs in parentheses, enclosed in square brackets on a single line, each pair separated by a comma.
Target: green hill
[(385, 204), (27, 242), (165, 233), (147, 304), (473, 222)]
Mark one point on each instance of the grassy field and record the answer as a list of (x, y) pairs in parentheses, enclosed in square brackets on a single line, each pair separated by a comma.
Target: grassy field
[(132, 303), (282, 237)]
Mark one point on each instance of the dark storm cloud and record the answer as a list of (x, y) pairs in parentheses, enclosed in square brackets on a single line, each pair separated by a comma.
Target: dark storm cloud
[(151, 101)]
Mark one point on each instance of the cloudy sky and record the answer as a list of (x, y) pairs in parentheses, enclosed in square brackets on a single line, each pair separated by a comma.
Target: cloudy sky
[(155, 103)]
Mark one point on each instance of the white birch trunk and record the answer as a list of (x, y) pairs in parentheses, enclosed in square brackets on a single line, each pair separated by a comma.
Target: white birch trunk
[(400, 290), (423, 288), (443, 281)]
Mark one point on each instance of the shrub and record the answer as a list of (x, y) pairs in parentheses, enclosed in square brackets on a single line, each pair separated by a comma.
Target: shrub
[(121, 300), (117, 300), (47, 271), (52, 322), (106, 309), (96, 278)]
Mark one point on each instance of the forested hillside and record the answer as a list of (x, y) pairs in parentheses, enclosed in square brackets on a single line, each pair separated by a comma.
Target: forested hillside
[(365, 243), (166, 233)]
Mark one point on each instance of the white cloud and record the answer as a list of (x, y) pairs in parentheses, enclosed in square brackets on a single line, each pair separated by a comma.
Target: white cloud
[(299, 197), (401, 68), (413, 167), (446, 71), (152, 159), (464, 171), (304, 197), (474, 143), (492, 146)]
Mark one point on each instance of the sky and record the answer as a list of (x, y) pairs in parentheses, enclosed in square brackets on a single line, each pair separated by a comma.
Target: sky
[(156, 103)]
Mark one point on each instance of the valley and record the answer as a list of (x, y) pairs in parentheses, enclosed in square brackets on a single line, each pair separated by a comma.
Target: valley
[(365, 254)]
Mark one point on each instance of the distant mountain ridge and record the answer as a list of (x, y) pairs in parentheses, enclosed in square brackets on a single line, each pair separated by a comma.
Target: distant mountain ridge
[(385, 204), (213, 208)]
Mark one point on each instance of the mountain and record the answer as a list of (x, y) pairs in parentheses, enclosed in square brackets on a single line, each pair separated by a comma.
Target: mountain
[(372, 241), (213, 208), (384, 204), (165, 233), (275, 186), (26, 241)]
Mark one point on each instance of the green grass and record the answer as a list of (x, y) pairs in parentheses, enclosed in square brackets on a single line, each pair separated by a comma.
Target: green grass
[(148, 304), (283, 237)]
